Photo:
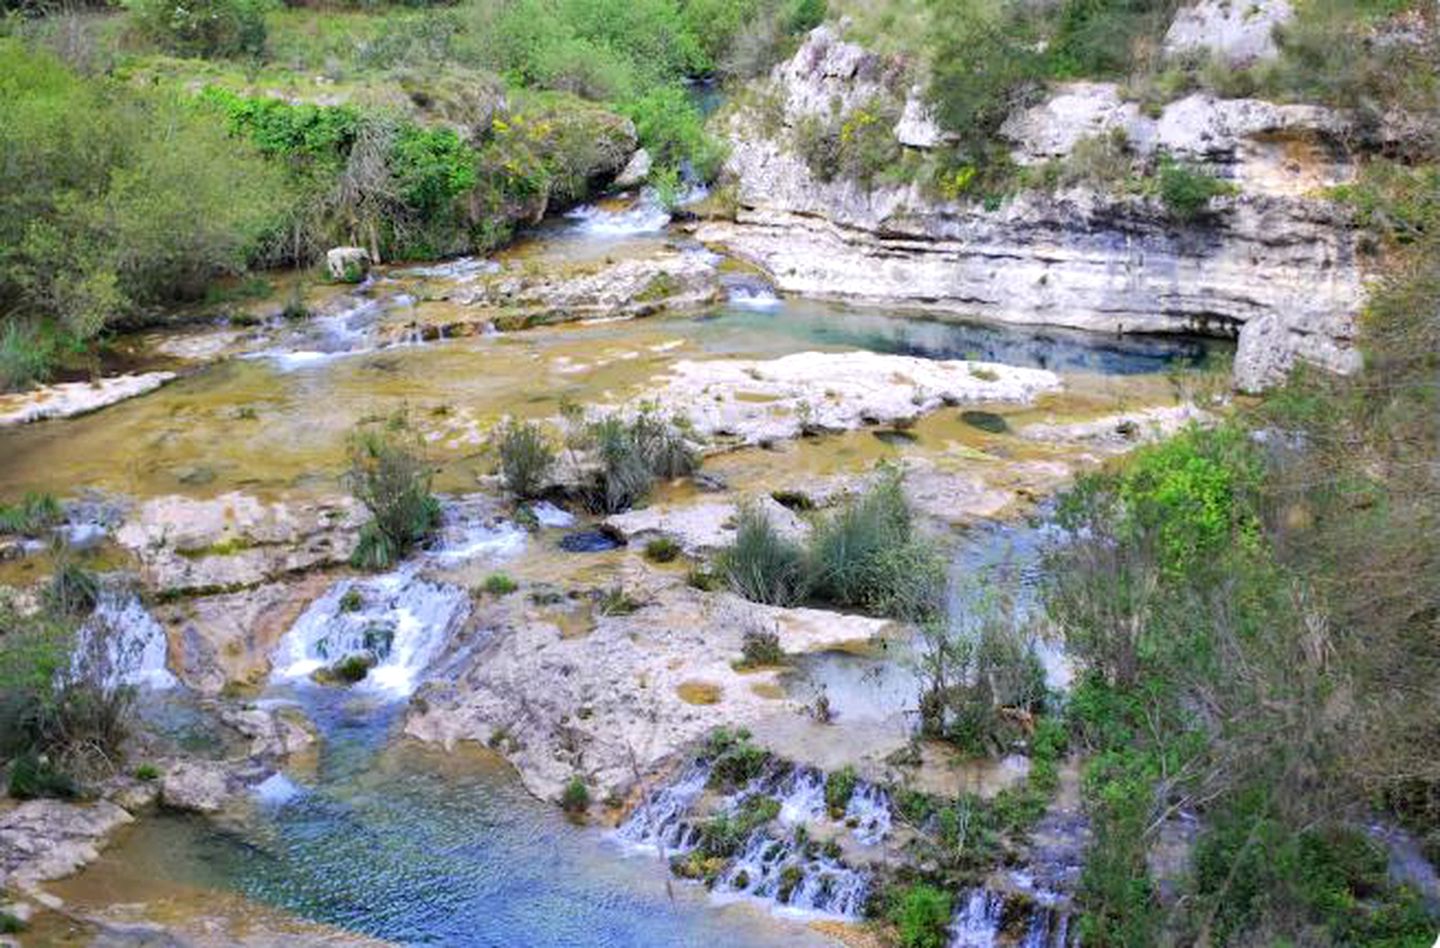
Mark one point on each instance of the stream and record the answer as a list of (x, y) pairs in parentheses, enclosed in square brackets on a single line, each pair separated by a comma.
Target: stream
[(386, 837)]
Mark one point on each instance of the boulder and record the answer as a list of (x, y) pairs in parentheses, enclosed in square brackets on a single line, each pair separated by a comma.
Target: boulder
[(199, 786), (636, 170), (236, 540), (1238, 34), (347, 264), (42, 840)]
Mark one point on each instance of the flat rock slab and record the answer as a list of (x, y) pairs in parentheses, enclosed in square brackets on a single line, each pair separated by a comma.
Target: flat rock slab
[(618, 702), (76, 398), (699, 528), (42, 840), (756, 402), (236, 540)]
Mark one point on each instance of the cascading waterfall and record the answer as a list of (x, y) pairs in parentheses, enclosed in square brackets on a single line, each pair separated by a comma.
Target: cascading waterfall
[(135, 646), (749, 292), (399, 619), (662, 821), (782, 863), (977, 923)]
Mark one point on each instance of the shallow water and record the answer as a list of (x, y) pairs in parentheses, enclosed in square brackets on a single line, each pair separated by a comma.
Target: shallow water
[(378, 835), (419, 846)]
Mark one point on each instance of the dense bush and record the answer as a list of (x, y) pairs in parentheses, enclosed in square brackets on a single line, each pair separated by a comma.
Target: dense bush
[(65, 710), (112, 198), (391, 477), (762, 565), (202, 27), (526, 457), (1186, 190), (621, 459), (867, 555), (921, 916)]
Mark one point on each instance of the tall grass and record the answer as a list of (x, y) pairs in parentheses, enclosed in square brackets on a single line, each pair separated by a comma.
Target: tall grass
[(762, 565)]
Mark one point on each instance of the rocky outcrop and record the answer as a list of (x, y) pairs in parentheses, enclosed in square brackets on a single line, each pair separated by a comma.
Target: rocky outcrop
[(519, 297), (42, 840), (1238, 34), (699, 529), (68, 399), (198, 786), (758, 402), (614, 703), (347, 264), (1082, 257), (236, 540)]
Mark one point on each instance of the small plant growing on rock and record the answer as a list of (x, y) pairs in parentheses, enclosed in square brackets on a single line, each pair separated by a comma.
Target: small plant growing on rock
[(352, 600), (839, 788), (615, 601), (662, 550), (499, 584), (1186, 190), (73, 590), (575, 798), (526, 457), (760, 647), (391, 477), (147, 772), (36, 512)]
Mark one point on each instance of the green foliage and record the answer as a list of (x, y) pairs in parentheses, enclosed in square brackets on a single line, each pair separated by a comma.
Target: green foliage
[(217, 28), (35, 513), (762, 565), (113, 197), (1098, 38), (147, 772), (526, 457), (866, 555), (662, 550), (630, 456), (983, 64), (839, 788), (390, 476), (73, 590), (921, 916), (1186, 190), (351, 668), (499, 584), (575, 798), (734, 759), (760, 648), (64, 709)]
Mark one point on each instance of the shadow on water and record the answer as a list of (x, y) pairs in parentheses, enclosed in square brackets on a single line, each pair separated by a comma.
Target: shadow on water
[(1034, 347)]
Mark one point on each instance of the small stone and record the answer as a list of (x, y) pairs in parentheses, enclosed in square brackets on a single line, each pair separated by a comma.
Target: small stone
[(347, 264), (636, 170)]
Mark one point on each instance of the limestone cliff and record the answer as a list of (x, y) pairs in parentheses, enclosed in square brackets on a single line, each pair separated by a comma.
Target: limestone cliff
[(1276, 256)]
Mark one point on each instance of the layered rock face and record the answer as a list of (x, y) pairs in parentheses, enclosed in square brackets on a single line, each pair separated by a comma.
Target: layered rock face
[(1079, 257)]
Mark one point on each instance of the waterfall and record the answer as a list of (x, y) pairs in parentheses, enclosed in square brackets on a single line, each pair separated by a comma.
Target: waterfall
[(662, 820), (135, 646), (749, 292), (401, 620), (645, 216), (276, 790), (802, 880), (868, 813), (977, 923), (798, 873)]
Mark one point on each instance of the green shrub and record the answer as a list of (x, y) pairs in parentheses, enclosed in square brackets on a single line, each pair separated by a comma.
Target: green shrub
[(499, 584), (73, 590), (921, 916), (1186, 190), (33, 776), (760, 648), (35, 513), (28, 352), (866, 555), (839, 788), (390, 476), (762, 565), (630, 456), (662, 550), (216, 28), (526, 457), (576, 796), (352, 600), (147, 772), (734, 759)]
